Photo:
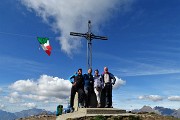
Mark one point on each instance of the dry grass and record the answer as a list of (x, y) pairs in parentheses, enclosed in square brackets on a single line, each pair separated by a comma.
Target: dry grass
[(40, 117)]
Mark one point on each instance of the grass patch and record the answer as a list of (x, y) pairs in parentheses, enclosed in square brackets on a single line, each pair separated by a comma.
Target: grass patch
[(99, 117)]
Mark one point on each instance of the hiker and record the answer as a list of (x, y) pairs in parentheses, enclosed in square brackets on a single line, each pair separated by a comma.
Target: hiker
[(108, 80), (88, 87), (77, 81), (98, 86)]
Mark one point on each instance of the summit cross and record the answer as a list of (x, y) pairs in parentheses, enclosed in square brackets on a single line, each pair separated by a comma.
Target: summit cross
[(89, 37)]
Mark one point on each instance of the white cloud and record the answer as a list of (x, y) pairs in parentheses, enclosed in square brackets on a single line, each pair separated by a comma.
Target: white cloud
[(2, 106), (174, 98), (45, 88), (24, 85), (15, 94), (65, 16), (35, 97), (119, 82), (30, 105), (13, 97), (1, 90), (53, 87), (153, 98)]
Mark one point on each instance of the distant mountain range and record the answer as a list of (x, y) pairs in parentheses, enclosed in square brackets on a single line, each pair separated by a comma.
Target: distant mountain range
[(25, 113), (32, 112), (7, 115), (159, 110)]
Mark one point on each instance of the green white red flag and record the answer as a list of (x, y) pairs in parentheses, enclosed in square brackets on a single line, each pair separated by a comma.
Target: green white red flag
[(44, 42)]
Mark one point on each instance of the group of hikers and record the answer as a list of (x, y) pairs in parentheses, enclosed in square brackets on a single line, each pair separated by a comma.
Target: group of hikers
[(86, 84)]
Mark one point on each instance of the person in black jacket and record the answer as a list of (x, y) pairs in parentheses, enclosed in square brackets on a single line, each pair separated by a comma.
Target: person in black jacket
[(88, 87), (77, 81)]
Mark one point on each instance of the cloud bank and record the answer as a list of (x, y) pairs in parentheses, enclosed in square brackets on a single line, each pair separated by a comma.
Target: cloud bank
[(48, 91), (65, 16), (174, 98), (45, 88), (154, 98)]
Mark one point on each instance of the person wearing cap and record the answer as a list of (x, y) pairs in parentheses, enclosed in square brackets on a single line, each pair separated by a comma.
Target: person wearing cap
[(88, 87), (77, 81), (109, 80), (98, 86)]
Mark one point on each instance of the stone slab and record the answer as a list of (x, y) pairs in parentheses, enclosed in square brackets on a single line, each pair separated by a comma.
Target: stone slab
[(104, 111), (82, 112)]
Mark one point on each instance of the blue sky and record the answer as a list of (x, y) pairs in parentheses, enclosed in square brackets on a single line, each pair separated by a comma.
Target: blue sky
[(142, 51)]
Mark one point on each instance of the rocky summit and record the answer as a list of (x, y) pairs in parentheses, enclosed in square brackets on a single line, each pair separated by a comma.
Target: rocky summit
[(138, 116)]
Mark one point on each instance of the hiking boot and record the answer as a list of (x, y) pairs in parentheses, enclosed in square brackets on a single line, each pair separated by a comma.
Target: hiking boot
[(71, 110), (110, 106), (81, 105), (99, 105), (107, 106)]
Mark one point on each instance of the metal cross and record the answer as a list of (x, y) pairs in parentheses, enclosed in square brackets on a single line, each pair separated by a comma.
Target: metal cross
[(89, 36)]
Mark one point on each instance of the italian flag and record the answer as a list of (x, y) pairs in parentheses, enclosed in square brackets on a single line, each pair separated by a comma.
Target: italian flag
[(45, 44)]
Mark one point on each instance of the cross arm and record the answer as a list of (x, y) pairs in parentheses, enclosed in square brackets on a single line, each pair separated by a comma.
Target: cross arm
[(98, 37), (78, 34)]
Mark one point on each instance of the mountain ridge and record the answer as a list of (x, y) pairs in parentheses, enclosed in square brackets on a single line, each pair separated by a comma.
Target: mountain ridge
[(24, 113), (38, 112), (159, 110)]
